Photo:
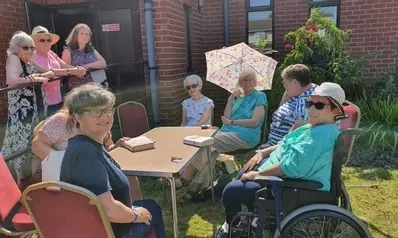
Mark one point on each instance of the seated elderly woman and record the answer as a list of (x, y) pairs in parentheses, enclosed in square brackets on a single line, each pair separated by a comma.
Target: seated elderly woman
[(87, 164), (198, 109), (305, 153), (243, 118)]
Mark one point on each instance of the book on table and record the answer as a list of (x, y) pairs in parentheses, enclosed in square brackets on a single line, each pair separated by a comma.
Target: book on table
[(139, 143), (198, 141)]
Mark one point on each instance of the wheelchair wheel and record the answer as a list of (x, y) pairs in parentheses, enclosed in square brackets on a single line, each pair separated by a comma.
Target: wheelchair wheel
[(321, 220), (345, 198)]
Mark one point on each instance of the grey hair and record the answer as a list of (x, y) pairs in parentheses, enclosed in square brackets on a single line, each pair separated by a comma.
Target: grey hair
[(193, 79), (18, 39), (88, 95)]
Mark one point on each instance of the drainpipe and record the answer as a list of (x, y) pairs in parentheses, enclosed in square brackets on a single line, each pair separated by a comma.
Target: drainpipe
[(226, 22), (151, 59)]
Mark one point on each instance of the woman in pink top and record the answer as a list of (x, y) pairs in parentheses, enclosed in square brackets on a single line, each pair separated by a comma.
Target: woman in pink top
[(44, 60)]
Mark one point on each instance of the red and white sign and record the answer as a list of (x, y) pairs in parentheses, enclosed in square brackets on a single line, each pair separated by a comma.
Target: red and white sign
[(111, 27)]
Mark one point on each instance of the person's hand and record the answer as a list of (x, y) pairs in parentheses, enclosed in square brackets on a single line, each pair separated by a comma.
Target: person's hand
[(225, 120), (36, 79), (254, 161), (250, 175), (119, 142), (144, 216), (235, 93), (78, 71)]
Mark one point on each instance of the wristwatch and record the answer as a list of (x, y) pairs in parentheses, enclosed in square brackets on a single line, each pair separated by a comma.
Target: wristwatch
[(232, 122)]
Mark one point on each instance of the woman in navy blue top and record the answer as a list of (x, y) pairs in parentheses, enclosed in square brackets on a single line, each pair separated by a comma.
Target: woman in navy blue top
[(87, 164)]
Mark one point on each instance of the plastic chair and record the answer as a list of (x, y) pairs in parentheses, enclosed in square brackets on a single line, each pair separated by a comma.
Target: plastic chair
[(133, 119), (14, 219), (352, 121), (69, 211)]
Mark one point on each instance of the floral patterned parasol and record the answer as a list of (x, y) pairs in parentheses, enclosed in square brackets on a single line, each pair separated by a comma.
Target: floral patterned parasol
[(224, 66)]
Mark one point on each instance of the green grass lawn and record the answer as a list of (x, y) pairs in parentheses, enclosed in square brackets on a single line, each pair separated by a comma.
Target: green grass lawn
[(375, 206)]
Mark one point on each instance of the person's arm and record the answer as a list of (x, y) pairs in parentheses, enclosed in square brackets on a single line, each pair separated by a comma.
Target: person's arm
[(47, 134), (67, 69), (99, 64), (298, 124), (258, 114), (284, 98), (116, 211), (184, 117), (66, 56), (205, 116), (273, 170), (228, 107), (14, 71)]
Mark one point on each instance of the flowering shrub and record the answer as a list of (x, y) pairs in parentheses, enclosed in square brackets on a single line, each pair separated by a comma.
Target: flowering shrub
[(320, 45)]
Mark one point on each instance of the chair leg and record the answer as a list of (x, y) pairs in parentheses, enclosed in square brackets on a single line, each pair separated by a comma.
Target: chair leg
[(164, 193)]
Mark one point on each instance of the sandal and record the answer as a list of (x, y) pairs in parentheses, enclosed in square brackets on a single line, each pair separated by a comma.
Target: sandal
[(180, 182), (189, 197)]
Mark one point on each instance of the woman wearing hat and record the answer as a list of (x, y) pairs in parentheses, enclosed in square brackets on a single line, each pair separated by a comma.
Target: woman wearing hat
[(45, 59), (80, 52), (305, 153)]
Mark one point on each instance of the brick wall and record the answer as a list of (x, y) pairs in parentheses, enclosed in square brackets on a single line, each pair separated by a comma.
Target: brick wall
[(11, 20), (374, 26)]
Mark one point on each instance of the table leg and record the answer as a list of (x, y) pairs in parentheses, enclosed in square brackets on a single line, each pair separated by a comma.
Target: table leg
[(210, 162), (174, 205)]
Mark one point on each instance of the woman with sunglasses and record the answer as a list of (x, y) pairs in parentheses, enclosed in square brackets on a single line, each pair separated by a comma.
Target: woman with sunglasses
[(45, 59), (87, 164), (305, 153), (23, 113), (198, 109)]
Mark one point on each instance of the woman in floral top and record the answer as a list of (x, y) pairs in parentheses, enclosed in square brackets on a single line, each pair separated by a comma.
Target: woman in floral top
[(198, 109)]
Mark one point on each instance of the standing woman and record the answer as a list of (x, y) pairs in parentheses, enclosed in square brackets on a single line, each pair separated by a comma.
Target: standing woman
[(44, 59), (23, 113), (79, 51)]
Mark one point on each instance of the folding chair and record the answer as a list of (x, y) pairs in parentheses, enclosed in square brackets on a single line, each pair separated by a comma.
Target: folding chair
[(352, 121), (133, 119), (69, 211), (14, 219)]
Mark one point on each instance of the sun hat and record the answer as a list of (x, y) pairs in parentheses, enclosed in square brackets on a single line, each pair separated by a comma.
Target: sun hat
[(334, 92), (41, 30)]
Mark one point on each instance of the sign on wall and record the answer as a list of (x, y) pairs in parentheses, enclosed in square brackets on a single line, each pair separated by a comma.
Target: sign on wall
[(111, 27)]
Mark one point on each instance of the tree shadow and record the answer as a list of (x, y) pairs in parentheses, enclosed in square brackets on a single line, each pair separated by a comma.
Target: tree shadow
[(374, 174), (377, 229)]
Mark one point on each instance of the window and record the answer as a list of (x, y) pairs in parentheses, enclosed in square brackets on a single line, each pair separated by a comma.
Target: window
[(327, 8), (260, 23), (187, 29)]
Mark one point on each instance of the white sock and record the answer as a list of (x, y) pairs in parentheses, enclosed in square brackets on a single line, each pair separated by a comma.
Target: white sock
[(225, 227)]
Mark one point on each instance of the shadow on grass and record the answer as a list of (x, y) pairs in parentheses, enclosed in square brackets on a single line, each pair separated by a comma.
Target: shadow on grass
[(377, 230), (372, 158), (374, 174)]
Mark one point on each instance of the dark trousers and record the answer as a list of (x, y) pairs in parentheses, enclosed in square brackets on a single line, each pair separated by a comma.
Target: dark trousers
[(140, 229), (238, 192)]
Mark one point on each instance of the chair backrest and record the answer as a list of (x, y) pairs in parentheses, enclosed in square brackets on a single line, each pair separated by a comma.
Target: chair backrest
[(352, 121), (264, 128), (9, 191), (70, 211), (133, 119)]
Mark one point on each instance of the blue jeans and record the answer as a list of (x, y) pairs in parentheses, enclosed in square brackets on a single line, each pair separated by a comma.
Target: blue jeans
[(140, 229)]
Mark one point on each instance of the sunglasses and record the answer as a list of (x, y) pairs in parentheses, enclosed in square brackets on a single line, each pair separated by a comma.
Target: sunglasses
[(26, 48), (317, 105), (44, 40), (193, 86), (96, 112)]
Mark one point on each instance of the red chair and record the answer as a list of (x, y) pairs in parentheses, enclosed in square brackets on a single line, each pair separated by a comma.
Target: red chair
[(14, 219), (69, 211), (133, 119), (351, 121)]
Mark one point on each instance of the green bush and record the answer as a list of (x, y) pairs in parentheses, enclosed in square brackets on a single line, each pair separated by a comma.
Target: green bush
[(320, 45), (380, 120)]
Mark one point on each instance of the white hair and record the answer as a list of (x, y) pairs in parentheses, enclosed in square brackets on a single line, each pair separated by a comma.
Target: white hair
[(19, 39), (194, 79)]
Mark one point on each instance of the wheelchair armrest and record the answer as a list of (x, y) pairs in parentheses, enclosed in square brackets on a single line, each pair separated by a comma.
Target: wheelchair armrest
[(289, 183)]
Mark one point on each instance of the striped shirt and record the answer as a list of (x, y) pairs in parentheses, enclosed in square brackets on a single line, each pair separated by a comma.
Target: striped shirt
[(285, 117)]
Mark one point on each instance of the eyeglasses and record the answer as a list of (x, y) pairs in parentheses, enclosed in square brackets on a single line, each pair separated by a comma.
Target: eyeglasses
[(26, 48), (193, 86), (317, 105), (44, 40), (96, 112)]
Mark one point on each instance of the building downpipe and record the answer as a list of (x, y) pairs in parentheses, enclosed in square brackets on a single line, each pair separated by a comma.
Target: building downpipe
[(150, 40), (226, 22)]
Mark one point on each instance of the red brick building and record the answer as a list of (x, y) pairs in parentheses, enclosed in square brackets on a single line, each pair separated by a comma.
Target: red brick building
[(185, 29)]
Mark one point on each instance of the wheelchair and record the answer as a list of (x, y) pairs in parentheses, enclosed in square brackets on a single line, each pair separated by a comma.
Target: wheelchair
[(297, 208)]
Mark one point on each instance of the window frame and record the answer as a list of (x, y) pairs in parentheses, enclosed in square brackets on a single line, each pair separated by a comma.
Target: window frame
[(326, 3), (188, 40), (270, 7)]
